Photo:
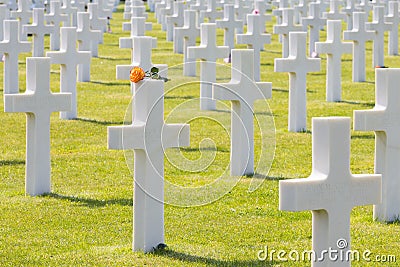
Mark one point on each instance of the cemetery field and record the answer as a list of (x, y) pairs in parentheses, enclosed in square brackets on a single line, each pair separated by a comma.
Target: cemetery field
[(87, 220)]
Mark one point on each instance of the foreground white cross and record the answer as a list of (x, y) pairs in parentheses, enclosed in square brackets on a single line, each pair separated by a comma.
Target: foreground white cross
[(334, 48), (331, 191), (243, 91), (69, 59), (12, 47), (298, 65), (359, 35), (208, 52), (384, 119), (38, 103), (148, 136)]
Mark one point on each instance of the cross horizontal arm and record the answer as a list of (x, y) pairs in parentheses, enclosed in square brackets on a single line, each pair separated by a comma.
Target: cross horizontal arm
[(127, 137)]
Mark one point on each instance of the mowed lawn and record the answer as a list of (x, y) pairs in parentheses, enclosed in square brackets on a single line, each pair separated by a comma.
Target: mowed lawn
[(87, 220)]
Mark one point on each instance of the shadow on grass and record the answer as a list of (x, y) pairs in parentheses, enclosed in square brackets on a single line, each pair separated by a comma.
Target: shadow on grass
[(178, 97), (280, 90), (12, 162), (91, 203), (99, 122), (196, 149), (358, 103), (183, 257), (370, 136), (108, 83), (265, 177)]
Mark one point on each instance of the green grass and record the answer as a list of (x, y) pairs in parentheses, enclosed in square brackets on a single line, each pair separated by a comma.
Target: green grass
[(87, 220)]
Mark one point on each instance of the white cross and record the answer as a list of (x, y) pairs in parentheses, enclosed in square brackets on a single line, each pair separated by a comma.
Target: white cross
[(378, 25), (148, 136), (136, 11), (104, 10), (315, 22), (211, 13), (38, 103), (11, 46), (141, 56), (96, 22), (298, 65), (88, 40), (334, 48), (393, 18), (136, 27), (4, 14), (208, 52), (55, 18), (241, 10), (285, 28), (69, 58), (229, 24), (262, 7), (255, 38), (359, 35), (334, 12), (175, 20), (167, 11), (349, 9), (364, 6), (242, 91), (331, 191), (24, 15), (385, 121), (184, 37), (38, 29), (70, 11)]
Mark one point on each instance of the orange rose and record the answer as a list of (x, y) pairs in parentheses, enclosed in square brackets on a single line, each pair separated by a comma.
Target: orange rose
[(137, 74)]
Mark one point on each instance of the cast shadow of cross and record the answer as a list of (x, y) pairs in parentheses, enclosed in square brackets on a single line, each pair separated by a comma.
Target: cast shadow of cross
[(187, 258), (91, 203)]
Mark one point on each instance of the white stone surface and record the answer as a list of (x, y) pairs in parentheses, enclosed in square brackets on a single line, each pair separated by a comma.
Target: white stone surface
[(148, 136), (285, 28), (349, 9), (300, 10), (136, 27), (38, 29), (38, 103), (385, 121), (378, 25), (69, 59), (230, 25), (359, 35), (331, 191), (334, 11), (334, 48), (255, 38), (12, 4), (11, 46), (297, 65), (393, 18), (56, 18), (208, 52), (316, 22), (243, 91)]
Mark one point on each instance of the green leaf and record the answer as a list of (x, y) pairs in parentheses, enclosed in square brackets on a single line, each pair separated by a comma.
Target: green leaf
[(154, 70)]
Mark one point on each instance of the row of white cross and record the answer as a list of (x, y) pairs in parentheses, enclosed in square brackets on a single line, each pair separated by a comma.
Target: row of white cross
[(37, 101), (331, 180), (330, 183)]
